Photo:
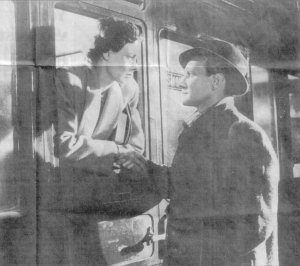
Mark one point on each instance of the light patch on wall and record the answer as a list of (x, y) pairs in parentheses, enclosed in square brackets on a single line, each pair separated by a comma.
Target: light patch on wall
[(259, 75)]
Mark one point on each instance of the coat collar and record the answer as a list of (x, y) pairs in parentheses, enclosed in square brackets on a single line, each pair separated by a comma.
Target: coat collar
[(99, 117), (225, 103)]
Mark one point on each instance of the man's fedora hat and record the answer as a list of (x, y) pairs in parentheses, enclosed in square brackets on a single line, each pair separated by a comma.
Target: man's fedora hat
[(232, 56)]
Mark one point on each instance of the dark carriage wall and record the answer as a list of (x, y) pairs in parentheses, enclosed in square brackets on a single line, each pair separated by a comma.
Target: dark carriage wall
[(270, 28)]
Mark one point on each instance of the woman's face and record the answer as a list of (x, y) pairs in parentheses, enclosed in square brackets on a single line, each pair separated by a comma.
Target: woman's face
[(121, 65)]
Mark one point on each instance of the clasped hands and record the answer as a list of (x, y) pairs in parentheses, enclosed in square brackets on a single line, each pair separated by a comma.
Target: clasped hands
[(129, 158)]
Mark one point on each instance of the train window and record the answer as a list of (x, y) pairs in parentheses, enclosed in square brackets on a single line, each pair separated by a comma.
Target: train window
[(74, 36), (173, 112), (8, 193), (75, 29)]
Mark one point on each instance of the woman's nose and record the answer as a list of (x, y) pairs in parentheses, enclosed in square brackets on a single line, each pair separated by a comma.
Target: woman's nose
[(133, 64)]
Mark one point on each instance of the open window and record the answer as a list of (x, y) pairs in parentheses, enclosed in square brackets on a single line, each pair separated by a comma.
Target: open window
[(75, 29)]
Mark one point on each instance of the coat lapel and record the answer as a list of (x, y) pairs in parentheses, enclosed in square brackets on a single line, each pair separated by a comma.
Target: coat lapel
[(110, 113), (91, 112), (99, 121)]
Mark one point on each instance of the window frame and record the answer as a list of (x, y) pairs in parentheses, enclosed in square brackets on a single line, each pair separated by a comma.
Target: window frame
[(168, 34), (95, 11)]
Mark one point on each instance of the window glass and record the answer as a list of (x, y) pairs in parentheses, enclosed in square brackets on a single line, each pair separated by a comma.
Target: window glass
[(74, 36), (7, 73), (174, 113)]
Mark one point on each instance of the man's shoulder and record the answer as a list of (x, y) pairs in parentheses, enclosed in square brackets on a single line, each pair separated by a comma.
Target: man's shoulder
[(250, 135), (244, 126)]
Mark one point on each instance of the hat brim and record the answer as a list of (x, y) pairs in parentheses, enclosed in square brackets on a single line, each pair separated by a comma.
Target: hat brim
[(240, 84)]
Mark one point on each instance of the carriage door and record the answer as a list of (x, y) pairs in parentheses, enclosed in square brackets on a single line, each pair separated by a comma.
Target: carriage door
[(124, 240)]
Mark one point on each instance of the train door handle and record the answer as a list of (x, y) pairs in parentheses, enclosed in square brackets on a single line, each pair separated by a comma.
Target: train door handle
[(139, 246)]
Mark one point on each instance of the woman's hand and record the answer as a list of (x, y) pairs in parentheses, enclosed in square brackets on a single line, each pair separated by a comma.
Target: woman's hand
[(128, 158)]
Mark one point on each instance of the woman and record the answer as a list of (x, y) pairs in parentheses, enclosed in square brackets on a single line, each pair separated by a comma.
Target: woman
[(92, 108), (99, 128)]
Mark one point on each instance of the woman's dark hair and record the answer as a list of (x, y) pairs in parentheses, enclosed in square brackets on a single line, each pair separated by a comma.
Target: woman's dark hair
[(114, 35)]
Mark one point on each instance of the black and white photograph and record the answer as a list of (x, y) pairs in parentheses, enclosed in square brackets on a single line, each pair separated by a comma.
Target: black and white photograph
[(150, 132)]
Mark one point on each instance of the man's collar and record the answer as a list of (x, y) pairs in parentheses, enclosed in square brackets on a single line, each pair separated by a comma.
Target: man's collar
[(191, 118), (227, 101)]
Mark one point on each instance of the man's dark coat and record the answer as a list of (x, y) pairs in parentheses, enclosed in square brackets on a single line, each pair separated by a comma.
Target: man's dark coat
[(224, 181)]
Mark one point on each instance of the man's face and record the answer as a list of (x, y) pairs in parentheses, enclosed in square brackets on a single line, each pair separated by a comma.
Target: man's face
[(121, 65), (196, 85)]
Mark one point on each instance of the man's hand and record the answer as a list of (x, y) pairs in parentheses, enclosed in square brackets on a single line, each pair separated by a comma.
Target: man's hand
[(130, 159)]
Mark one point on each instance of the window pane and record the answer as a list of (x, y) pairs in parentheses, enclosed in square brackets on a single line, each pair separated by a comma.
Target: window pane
[(74, 36), (7, 71), (174, 113)]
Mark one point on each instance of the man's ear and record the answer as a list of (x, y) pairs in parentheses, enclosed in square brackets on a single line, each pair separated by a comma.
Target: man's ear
[(218, 81)]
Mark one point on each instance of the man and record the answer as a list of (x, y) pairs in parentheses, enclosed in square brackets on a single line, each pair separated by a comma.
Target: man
[(224, 176)]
